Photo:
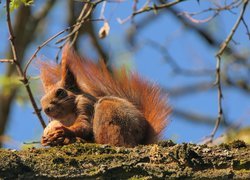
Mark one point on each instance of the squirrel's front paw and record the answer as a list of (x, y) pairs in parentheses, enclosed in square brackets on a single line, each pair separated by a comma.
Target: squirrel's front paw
[(57, 134), (52, 139)]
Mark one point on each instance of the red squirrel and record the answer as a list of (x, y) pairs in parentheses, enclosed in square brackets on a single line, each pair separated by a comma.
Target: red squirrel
[(85, 100)]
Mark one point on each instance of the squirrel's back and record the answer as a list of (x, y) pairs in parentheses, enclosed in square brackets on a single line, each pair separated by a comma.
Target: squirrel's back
[(97, 80)]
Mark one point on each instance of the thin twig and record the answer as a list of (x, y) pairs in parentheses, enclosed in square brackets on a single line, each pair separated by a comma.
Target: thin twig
[(134, 8), (24, 80), (196, 21), (246, 26), (83, 17), (77, 25), (103, 10), (32, 142), (44, 44), (229, 37), (7, 61), (87, 9), (58, 52), (150, 8), (49, 40), (218, 68), (216, 10), (220, 96), (153, 8)]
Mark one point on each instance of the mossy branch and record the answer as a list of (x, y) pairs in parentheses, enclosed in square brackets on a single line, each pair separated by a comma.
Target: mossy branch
[(163, 160)]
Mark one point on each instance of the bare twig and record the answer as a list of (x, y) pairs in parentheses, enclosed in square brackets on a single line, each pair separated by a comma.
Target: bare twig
[(220, 96), (134, 8), (6, 60), (193, 20), (44, 44), (24, 80), (153, 8), (216, 10), (206, 36), (103, 10), (84, 15), (218, 67), (49, 40), (77, 26), (147, 8), (246, 26), (32, 142), (229, 37)]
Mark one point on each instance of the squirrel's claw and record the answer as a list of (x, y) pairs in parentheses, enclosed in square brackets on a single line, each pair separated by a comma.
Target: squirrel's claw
[(60, 136)]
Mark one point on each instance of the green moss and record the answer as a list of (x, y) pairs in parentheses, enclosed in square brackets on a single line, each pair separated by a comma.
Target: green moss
[(167, 143), (91, 161), (138, 177), (238, 144), (241, 164), (225, 146)]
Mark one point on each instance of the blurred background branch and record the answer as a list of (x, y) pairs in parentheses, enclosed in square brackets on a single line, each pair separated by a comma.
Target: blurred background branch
[(181, 37)]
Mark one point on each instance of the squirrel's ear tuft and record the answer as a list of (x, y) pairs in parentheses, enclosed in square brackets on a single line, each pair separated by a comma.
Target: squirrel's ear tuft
[(68, 78), (67, 58), (50, 74)]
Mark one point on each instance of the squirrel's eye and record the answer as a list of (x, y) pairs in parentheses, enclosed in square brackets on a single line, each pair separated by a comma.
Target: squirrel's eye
[(61, 93)]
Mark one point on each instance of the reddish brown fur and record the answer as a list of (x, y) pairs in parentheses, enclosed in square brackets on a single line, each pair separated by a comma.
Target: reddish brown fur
[(50, 74), (118, 122), (98, 81)]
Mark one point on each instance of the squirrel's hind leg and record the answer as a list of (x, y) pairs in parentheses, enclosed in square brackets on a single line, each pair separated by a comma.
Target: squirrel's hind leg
[(118, 122)]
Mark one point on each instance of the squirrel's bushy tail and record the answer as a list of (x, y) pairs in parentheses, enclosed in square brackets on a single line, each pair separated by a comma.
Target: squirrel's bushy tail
[(94, 78)]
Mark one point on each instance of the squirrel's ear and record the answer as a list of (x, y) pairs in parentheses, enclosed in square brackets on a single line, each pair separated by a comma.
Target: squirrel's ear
[(50, 74), (68, 78)]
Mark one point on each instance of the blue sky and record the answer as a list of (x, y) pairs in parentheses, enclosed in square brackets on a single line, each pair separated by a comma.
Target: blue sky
[(183, 45)]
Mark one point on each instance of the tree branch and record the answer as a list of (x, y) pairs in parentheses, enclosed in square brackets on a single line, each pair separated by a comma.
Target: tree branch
[(147, 8), (7, 61), (165, 160), (84, 15), (218, 69), (24, 80)]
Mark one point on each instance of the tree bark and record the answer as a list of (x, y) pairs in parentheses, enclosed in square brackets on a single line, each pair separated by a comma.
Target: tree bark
[(159, 161)]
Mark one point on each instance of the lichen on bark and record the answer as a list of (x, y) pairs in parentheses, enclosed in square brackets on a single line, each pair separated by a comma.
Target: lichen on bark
[(158, 161)]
